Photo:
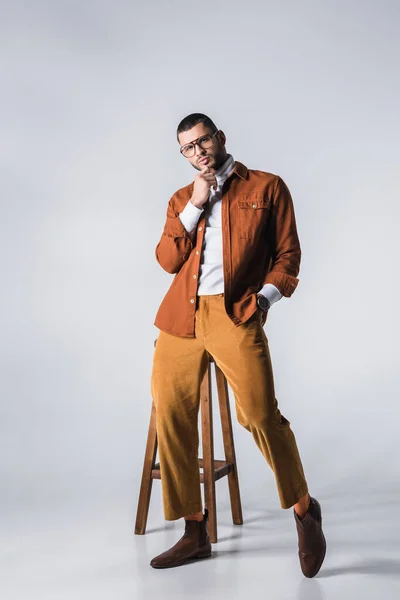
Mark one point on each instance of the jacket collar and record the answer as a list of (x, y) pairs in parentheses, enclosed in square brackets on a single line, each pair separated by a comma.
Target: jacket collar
[(240, 169)]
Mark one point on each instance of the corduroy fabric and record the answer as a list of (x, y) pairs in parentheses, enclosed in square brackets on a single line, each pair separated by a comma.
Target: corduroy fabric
[(179, 364)]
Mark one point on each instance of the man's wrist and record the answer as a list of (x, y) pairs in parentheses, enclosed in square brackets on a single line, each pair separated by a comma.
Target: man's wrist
[(198, 206), (263, 302), (271, 292)]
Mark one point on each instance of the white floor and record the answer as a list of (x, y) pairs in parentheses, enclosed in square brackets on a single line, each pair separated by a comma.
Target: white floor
[(91, 553)]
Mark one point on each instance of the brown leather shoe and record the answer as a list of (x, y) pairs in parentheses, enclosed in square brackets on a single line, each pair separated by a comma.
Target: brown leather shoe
[(312, 544), (195, 543)]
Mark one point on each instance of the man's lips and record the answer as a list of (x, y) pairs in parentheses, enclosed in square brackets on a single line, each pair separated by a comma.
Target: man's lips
[(206, 158)]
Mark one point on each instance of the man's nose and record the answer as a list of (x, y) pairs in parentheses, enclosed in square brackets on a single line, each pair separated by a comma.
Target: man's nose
[(199, 150)]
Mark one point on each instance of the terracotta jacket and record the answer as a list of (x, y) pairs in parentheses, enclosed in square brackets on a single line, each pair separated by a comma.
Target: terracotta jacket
[(260, 245)]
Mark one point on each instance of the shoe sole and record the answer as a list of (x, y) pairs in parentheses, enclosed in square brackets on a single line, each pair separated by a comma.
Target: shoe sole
[(199, 555)]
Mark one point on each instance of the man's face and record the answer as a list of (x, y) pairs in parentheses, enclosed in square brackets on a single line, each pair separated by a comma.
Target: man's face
[(214, 156)]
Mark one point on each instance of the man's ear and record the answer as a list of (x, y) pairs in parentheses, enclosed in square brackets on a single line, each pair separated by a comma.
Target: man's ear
[(222, 137)]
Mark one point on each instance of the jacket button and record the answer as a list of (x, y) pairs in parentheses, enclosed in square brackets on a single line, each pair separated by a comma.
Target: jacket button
[(194, 276), (192, 300), (254, 205), (197, 251), (200, 228)]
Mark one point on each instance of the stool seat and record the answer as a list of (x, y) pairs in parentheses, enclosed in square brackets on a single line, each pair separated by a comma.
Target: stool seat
[(212, 469)]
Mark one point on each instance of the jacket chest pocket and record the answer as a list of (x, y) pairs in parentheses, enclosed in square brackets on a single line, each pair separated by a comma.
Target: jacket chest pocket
[(253, 212)]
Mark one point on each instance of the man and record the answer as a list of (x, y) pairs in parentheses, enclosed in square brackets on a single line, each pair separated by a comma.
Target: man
[(230, 238)]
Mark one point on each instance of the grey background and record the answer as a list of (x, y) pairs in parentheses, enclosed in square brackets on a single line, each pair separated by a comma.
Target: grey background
[(91, 96)]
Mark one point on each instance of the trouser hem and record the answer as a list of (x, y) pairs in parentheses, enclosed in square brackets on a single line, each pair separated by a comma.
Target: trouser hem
[(288, 501), (171, 515)]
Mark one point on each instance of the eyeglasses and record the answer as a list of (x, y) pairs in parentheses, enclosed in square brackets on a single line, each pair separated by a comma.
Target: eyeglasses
[(205, 141)]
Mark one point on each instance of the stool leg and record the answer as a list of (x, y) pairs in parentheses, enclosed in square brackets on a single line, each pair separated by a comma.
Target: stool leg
[(147, 479), (229, 446), (208, 454)]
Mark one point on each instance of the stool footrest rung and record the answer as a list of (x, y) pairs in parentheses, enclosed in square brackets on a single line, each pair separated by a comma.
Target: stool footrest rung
[(220, 472), (221, 469)]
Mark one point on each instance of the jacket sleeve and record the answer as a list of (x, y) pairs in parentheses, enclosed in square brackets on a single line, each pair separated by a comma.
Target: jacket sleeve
[(175, 244), (285, 242)]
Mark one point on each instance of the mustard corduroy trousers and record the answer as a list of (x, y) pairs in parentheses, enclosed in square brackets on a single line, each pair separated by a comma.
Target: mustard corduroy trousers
[(179, 364)]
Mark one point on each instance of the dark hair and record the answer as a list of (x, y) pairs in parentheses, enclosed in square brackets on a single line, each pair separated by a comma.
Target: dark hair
[(192, 120)]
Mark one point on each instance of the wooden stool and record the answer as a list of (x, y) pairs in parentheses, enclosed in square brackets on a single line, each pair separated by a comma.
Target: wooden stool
[(212, 469)]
